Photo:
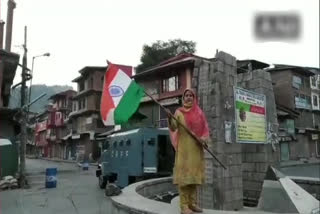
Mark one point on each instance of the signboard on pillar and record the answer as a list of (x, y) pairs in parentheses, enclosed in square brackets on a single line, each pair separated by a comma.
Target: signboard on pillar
[(251, 117)]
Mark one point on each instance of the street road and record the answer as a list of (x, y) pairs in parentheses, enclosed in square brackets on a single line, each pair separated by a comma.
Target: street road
[(77, 192), (303, 170)]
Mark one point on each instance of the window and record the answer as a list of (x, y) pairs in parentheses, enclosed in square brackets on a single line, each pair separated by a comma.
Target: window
[(52, 132), (82, 103), (97, 103), (81, 86), (308, 98), (105, 145), (315, 101), (302, 101), (306, 83), (290, 126), (58, 115), (170, 84), (315, 82), (91, 82), (74, 106), (302, 82), (296, 82)]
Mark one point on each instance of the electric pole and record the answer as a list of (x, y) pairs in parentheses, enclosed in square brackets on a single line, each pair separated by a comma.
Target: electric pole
[(23, 134)]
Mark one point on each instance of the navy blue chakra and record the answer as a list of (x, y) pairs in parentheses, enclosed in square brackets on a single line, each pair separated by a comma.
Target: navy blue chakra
[(115, 91)]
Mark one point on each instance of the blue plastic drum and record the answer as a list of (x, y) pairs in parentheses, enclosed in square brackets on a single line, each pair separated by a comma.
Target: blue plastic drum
[(51, 177)]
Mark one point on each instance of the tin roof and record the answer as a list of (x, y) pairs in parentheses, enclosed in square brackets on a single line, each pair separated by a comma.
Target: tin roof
[(62, 94), (243, 65), (307, 71), (88, 69), (177, 60)]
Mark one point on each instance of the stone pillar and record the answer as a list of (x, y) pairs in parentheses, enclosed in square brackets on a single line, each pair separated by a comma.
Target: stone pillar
[(214, 82), (257, 157)]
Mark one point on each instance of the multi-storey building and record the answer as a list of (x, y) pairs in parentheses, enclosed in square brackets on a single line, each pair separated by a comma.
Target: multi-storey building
[(41, 143), (315, 102), (85, 117), (56, 124), (297, 101), (31, 127), (296, 91), (166, 82)]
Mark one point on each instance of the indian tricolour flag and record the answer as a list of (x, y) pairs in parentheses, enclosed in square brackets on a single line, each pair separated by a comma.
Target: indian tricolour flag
[(120, 97)]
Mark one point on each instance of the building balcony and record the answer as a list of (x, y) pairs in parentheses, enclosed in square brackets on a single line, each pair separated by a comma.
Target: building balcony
[(83, 111), (63, 108), (86, 92)]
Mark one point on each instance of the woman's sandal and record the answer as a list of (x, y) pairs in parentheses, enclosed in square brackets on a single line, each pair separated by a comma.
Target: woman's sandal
[(186, 211), (196, 208)]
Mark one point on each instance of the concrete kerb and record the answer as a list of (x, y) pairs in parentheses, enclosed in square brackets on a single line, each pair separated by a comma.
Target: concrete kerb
[(131, 202)]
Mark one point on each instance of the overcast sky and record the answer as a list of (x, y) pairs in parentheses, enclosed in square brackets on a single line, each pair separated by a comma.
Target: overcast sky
[(81, 33)]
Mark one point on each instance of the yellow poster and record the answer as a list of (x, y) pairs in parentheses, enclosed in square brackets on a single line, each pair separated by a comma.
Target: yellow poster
[(250, 116)]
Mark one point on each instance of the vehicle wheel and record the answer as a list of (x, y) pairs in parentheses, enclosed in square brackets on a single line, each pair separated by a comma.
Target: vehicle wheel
[(102, 182)]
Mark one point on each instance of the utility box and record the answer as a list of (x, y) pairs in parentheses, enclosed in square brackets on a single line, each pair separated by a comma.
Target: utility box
[(8, 158)]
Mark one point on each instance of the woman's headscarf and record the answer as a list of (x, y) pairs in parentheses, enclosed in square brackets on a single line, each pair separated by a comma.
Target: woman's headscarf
[(194, 118)]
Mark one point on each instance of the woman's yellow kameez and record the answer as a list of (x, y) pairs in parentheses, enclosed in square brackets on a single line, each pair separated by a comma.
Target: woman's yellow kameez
[(188, 169)]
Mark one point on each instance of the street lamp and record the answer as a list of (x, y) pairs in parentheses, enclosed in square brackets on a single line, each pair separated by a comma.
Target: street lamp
[(31, 76)]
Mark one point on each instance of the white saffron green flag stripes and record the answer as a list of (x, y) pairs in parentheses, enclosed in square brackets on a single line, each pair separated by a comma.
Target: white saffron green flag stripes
[(121, 95)]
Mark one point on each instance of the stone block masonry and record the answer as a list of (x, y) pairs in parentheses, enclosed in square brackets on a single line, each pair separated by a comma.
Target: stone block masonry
[(214, 82), (257, 158)]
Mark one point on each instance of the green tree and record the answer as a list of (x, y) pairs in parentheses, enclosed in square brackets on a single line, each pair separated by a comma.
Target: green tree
[(160, 51)]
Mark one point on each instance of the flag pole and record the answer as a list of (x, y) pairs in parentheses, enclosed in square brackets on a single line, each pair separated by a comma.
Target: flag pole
[(201, 142)]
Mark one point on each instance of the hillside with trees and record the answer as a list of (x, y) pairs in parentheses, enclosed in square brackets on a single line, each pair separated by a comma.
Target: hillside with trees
[(37, 90)]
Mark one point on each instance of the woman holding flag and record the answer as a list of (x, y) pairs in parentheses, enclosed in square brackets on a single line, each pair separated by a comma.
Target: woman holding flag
[(189, 160)]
